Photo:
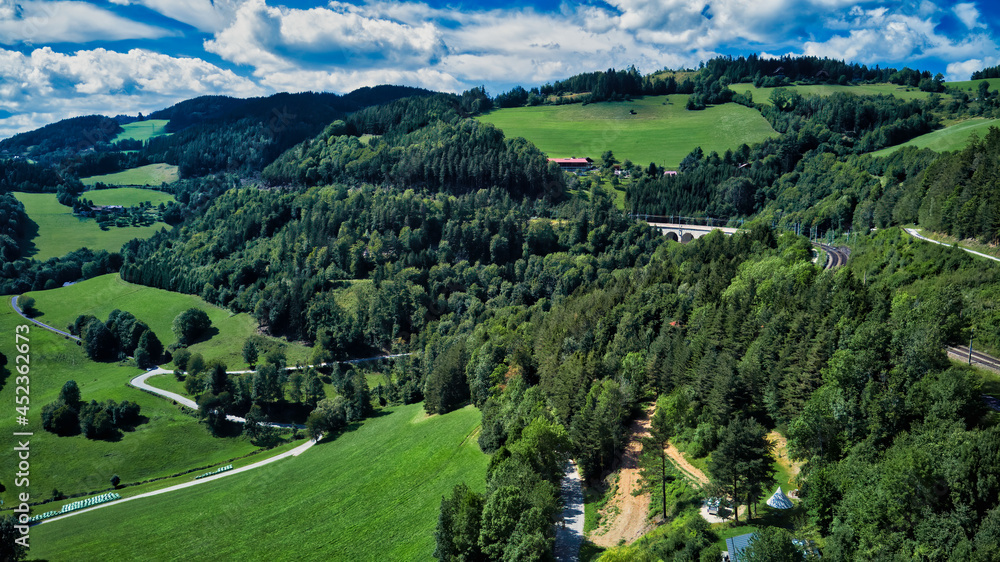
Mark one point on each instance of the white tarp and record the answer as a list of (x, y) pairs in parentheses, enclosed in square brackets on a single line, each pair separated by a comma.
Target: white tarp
[(779, 500)]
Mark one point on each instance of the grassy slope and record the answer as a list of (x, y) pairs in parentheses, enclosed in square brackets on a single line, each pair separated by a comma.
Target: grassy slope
[(143, 130), (59, 232), (157, 308), (371, 494), (762, 95), (171, 442), (128, 196), (953, 137), (659, 133), (152, 174)]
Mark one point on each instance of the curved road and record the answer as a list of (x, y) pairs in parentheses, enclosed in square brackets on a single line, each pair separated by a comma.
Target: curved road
[(17, 309), (913, 232)]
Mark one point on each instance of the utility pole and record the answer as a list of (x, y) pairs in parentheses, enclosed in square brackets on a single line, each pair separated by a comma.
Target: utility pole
[(971, 336)]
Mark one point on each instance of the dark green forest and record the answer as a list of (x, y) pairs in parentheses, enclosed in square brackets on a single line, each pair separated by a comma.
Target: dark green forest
[(404, 225)]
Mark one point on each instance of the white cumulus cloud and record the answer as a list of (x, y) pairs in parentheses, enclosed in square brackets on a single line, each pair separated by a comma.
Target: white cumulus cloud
[(969, 15), (37, 22), (46, 86)]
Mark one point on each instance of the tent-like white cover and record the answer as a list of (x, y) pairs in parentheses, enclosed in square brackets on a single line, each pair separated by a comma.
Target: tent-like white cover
[(779, 500)]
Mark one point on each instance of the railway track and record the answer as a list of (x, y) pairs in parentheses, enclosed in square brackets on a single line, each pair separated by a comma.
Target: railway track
[(978, 358), (835, 256)]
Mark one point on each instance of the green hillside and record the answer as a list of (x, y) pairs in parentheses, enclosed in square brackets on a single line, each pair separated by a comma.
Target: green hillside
[(763, 95), (954, 137), (371, 494), (143, 130), (157, 308), (58, 231), (661, 130), (171, 441), (128, 196), (152, 174)]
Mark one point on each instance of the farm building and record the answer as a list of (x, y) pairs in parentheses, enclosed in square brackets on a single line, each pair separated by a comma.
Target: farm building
[(573, 164)]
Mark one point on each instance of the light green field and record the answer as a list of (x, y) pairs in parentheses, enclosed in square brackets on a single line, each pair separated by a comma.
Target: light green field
[(973, 85), (143, 130), (661, 131), (127, 196), (57, 232), (152, 174), (763, 95), (157, 308), (953, 137), (171, 442), (371, 494)]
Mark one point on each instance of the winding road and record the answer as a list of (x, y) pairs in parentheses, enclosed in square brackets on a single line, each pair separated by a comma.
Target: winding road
[(140, 383)]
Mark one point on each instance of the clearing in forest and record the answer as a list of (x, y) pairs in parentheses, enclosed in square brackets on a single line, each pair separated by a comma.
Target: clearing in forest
[(653, 129), (624, 516)]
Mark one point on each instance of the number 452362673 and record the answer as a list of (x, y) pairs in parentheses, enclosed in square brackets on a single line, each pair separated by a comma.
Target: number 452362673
[(22, 363)]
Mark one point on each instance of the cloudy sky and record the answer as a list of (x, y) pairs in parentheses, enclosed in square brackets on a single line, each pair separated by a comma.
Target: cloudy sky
[(64, 58)]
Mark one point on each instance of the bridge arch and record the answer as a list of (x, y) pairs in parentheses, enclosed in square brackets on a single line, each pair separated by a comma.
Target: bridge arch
[(673, 236), (687, 237)]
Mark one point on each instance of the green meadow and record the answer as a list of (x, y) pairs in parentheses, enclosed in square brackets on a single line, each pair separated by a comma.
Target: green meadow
[(660, 131), (171, 441), (157, 308), (128, 196), (763, 95), (143, 130), (373, 493), (56, 231), (952, 137), (152, 174)]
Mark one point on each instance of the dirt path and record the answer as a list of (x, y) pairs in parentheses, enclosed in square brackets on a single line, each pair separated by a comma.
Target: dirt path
[(689, 470), (781, 455), (625, 515)]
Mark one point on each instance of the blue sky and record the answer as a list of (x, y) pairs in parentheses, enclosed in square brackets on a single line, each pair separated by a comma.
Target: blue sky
[(61, 58)]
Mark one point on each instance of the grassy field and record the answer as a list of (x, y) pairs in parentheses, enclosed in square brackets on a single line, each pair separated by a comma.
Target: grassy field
[(953, 137), (371, 494), (762, 95), (143, 130), (128, 196), (152, 174), (157, 308), (661, 130), (171, 441), (56, 231)]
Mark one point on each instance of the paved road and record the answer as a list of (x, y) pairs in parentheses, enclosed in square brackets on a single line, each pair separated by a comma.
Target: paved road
[(140, 382), (17, 309), (292, 453), (569, 530), (913, 232)]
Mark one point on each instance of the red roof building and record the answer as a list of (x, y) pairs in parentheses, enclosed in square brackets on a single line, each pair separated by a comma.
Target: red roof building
[(573, 164)]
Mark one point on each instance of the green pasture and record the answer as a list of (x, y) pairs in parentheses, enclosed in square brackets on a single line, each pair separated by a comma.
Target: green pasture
[(152, 174), (373, 493), (171, 441), (953, 137), (660, 131), (143, 130), (763, 95), (55, 231), (128, 196), (157, 308)]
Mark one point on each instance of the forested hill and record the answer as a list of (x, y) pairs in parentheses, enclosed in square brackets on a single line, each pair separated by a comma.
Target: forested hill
[(426, 143), (211, 133)]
